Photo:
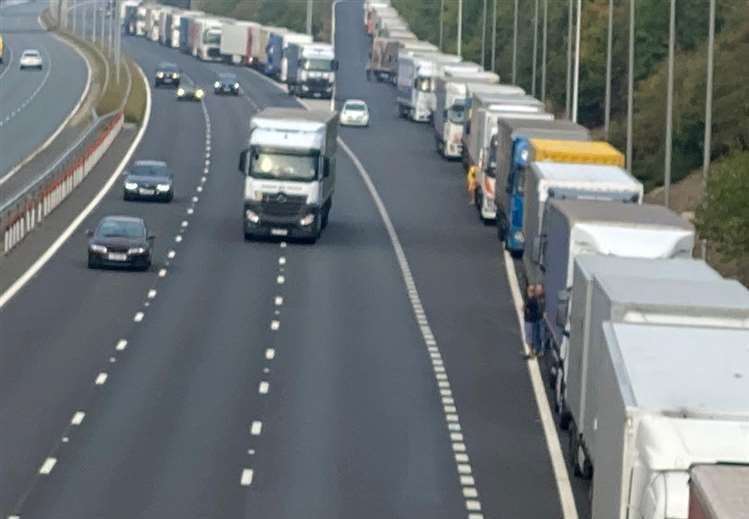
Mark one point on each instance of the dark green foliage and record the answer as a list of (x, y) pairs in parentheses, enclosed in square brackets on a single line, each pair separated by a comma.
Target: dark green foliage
[(723, 217)]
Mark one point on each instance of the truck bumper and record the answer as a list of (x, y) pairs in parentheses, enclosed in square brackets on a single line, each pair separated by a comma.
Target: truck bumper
[(258, 224)]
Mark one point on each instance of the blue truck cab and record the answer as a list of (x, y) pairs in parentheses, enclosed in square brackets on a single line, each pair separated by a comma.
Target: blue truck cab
[(513, 154), (274, 52)]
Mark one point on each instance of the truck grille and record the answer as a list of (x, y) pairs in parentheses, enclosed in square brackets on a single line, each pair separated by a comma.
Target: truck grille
[(282, 204)]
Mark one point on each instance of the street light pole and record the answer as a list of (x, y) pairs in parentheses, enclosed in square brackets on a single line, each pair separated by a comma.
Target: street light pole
[(630, 82), (309, 17), (609, 43), (483, 37), (669, 106), (535, 49), (442, 22), (460, 28), (515, 46), (568, 90), (494, 35), (707, 146), (545, 45), (576, 84)]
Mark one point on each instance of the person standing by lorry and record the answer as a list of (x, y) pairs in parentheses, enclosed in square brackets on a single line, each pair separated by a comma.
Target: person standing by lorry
[(532, 318)]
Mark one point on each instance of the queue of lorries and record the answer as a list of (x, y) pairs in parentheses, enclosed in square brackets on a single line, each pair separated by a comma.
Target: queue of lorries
[(306, 66), (289, 166), (648, 349)]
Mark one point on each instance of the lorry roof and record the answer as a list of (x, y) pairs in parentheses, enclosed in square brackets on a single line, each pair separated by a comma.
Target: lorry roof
[(721, 302), (604, 176), (543, 129), (672, 268), (299, 114), (681, 371), (723, 490), (597, 211), (581, 152)]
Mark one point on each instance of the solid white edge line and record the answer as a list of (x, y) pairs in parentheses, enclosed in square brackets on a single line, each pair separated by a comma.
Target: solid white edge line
[(19, 283), (65, 121), (559, 466)]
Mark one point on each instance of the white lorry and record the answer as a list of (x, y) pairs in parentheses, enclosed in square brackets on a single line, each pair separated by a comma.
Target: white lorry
[(289, 173), (206, 39), (236, 42), (664, 399), (546, 181), (415, 83), (448, 116), (585, 227), (291, 38), (311, 69)]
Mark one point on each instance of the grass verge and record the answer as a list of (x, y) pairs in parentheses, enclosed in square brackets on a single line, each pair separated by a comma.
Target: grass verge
[(135, 108)]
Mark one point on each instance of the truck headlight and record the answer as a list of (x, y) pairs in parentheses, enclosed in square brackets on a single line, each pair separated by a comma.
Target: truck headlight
[(180, 92), (252, 216), (101, 249), (163, 187), (175, 75), (236, 86), (217, 85), (131, 186), (159, 75), (199, 93), (518, 236), (136, 250), (307, 220)]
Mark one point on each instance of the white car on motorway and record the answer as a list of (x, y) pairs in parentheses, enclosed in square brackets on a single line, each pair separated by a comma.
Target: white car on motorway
[(31, 58), (354, 113)]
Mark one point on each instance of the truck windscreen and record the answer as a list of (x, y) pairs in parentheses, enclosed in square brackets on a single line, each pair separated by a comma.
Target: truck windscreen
[(456, 114), (324, 65), (212, 38), (277, 166)]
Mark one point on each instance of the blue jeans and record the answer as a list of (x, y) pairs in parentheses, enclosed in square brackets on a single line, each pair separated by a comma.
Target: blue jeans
[(534, 336)]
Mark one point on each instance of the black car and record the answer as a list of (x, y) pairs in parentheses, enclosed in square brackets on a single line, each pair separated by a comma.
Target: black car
[(167, 74), (148, 180), (189, 91), (227, 84), (120, 241)]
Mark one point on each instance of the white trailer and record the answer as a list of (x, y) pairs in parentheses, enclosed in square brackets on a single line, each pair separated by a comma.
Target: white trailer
[(546, 181), (236, 42), (484, 107), (206, 39), (586, 227), (448, 114), (664, 399)]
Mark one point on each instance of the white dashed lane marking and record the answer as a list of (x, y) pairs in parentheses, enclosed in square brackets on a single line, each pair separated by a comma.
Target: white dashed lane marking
[(47, 466), (280, 280), (138, 317), (78, 418), (256, 428), (151, 293), (246, 479), (263, 388), (101, 379), (275, 325), (270, 353), (121, 345)]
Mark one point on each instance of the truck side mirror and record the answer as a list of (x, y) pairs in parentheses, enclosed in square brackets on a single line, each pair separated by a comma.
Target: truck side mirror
[(563, 299), (335, 64), (244, 161)]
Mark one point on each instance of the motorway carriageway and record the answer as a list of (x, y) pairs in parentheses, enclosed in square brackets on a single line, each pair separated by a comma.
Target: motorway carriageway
[(33, 103), (268, 379)]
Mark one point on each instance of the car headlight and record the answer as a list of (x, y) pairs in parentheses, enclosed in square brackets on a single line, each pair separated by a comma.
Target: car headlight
[(159, 75), (307, 220), (163, 187), (131, 186), (519, 236), (199, 93), (101, 249), (217, 85), (136, 250), (180, 92), (252, 216)]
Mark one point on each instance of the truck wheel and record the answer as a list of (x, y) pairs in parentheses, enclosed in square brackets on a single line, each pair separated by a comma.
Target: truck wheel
[(326, 214), (572, 447)]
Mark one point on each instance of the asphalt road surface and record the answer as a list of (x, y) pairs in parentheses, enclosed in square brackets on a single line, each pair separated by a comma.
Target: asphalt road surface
[(33, 103), (268, 379)]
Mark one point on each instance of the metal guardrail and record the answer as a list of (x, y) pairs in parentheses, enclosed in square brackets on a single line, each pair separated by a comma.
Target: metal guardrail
[(22, 213)]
